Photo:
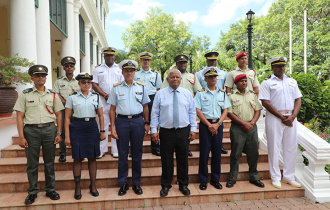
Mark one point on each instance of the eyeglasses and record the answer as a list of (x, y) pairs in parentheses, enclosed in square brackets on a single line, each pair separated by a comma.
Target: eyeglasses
[(145, 59), (84, 83), (68, 66), (40, 75)]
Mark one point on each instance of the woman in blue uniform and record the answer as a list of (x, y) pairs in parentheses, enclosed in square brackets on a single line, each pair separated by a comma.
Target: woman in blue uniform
[(84, 135)]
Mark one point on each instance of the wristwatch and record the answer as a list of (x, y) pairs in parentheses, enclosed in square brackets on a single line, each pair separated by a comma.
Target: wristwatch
[(147, 123), (220, 123), (58, 134), (102, 131)]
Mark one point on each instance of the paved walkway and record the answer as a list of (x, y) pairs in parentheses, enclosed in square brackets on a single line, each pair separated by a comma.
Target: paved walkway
[(269, 204)]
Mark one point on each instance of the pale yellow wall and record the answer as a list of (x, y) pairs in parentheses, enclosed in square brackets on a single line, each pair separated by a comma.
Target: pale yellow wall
[(56, 59), (4, 23)]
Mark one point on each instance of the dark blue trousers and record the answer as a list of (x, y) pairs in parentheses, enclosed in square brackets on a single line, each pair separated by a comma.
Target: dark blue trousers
[(129, 130), (154, 146), (208, 143)]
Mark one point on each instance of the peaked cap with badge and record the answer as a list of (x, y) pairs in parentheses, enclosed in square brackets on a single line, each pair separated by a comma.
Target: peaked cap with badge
[(278, 61), (211, 55), (38, 69), (109, 50), (84, 76), (210, 71), (128, 64), (68, 59), (146, 55), (241, 54), (181, 58)]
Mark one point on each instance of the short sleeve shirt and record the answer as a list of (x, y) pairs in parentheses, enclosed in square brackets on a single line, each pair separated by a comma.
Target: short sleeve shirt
[(150, 78), (65, 87), (250, 74)]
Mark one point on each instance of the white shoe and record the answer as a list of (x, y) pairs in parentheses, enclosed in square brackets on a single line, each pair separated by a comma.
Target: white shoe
[(277, 184), (101, 155), (115, 154), (292, 183)]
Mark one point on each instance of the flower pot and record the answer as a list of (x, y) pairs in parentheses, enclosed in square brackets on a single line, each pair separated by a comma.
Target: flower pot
[(8, 97)]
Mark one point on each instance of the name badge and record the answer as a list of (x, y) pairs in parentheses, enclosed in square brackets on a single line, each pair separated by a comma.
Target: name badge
[(62, 85), (138, 93), (31, 101)]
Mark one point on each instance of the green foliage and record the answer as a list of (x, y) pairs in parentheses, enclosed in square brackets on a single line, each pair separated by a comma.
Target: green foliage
[(316, 126), (10, 73), (164, 37)]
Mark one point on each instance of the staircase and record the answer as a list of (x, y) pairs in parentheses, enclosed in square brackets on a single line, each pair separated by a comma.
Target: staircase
[(14, 182)]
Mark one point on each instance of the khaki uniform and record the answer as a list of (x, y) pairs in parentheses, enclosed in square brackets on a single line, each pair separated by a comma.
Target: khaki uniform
[(244, 107), (250, 74), (39, 130), (188, 82), (65, 87)]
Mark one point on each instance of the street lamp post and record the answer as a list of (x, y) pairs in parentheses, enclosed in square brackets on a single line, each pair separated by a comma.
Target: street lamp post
[(250, 15), (190, 59)]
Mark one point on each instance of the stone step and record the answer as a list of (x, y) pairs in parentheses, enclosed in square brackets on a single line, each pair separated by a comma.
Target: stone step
[(18, 182), (109, 198), (16, 151), (18, 164)]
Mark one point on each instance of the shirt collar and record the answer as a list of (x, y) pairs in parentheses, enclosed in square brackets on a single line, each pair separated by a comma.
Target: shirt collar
[(236, 91), (65, 77), (80, 93), (125, 84), (113, 65), (239, 69), (149, 70), (275, 77), (35, 89), (171, 89)]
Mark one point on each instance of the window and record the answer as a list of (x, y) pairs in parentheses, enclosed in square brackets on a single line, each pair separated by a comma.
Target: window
[(96, 3), (82, 34), (97, 55), (91, 46), (36, 3), (104, 21), (101, 9), (57, 14)]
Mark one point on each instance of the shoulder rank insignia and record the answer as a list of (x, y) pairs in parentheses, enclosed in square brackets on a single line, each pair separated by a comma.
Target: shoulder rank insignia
[(52, 91), (73, 93), (201, 90), (115, 85), (60, 77), (153, 70), (27, 90), (97, 65), (222, 90), (267, 78), (95, 93), (251, 91), (140, 83)]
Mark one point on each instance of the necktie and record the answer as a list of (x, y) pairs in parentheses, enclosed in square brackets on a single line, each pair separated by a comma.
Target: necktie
[(175, 109)]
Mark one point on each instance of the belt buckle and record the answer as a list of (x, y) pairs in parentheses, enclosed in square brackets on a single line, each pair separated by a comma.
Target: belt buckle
[(286, 111), (39, 125), (129, 116), (214, 121), (86, 119)]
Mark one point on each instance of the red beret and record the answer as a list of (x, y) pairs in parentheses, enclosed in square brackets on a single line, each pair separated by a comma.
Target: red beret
[(241, 54), (239, 77)]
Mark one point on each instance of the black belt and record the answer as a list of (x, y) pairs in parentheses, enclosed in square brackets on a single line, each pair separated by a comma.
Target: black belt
[(213, 121), (174, 128), (86, 119), (41, 125), (129, 116)]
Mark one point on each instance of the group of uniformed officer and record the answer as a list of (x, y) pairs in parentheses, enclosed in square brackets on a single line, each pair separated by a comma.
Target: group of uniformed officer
[(130, 99)]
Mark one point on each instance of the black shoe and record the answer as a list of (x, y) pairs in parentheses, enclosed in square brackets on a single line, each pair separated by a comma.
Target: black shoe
[(62, 158), (184, 189), (138, 190), (53, 195), (257, 183), (164, 191), (30, 199), (123, 189), (223, 151), (203, 185), (156, 152), (230, 183), (77, 187), (190, 154), (95, 194), (216, 185)]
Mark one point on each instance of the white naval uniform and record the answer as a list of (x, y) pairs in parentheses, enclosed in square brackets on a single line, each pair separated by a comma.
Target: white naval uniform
[(106, 77), (282, 95)]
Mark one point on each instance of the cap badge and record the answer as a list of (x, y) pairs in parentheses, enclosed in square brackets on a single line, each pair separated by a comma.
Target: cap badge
[(147, 54), (110, 49), (129, 63), (86, 75), (40, 68), (281, 59)]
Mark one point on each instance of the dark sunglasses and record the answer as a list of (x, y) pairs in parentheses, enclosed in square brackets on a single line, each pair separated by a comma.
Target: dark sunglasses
[(69, 66), (40, 75), (84, 83)]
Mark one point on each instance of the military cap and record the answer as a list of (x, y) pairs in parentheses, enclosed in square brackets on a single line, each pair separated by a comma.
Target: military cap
[(211, 55), (68, 59), (210, 71), (126, 64), (241, 54), (146, 55), (239, 77), (109, 50), (84, 76), (38, 69), (181, 57), (278, 61)]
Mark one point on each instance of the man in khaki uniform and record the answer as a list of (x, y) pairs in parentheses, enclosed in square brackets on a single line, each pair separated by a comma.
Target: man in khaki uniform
[(244, 113), (64, 86), (252, 79), (37, 108)]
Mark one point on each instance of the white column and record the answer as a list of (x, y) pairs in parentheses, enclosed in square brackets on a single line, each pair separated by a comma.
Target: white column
[(98, 8), (77, 6), (68, 43), (100, 55), (43, 39), (95, 61), (86, 62)]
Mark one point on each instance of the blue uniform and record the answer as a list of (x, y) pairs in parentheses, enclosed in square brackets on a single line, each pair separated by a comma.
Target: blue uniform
[(129, 126), (84, 106), (211, 104), (222, 75)]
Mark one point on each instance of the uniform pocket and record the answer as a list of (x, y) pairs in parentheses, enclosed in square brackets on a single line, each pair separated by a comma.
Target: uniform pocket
[(221, 104), (121, 97), (31, 103)]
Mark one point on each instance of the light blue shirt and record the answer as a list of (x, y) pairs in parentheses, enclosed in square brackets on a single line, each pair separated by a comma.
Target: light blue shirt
[(162, 109), (151, 78), (220, 79), (84, 106), (128, 100), (211, 104)]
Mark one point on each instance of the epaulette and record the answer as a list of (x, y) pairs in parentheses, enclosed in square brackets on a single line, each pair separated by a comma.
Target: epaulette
[(153, 70), (60, 77), (201, 90), (267, 78), (27, 90), (140, 83), (52, 91), (74, 93), (222, 90), (115, 85), (95, 93), (251, 91), (97, 65)]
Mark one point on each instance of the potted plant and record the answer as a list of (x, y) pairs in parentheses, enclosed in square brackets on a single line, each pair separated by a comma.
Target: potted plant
[(10, 74)]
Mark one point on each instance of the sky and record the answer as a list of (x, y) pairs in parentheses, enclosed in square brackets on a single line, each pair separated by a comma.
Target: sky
[(206, 17)]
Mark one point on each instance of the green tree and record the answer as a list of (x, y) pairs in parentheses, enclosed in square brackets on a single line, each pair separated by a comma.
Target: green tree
[(164, 37)]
